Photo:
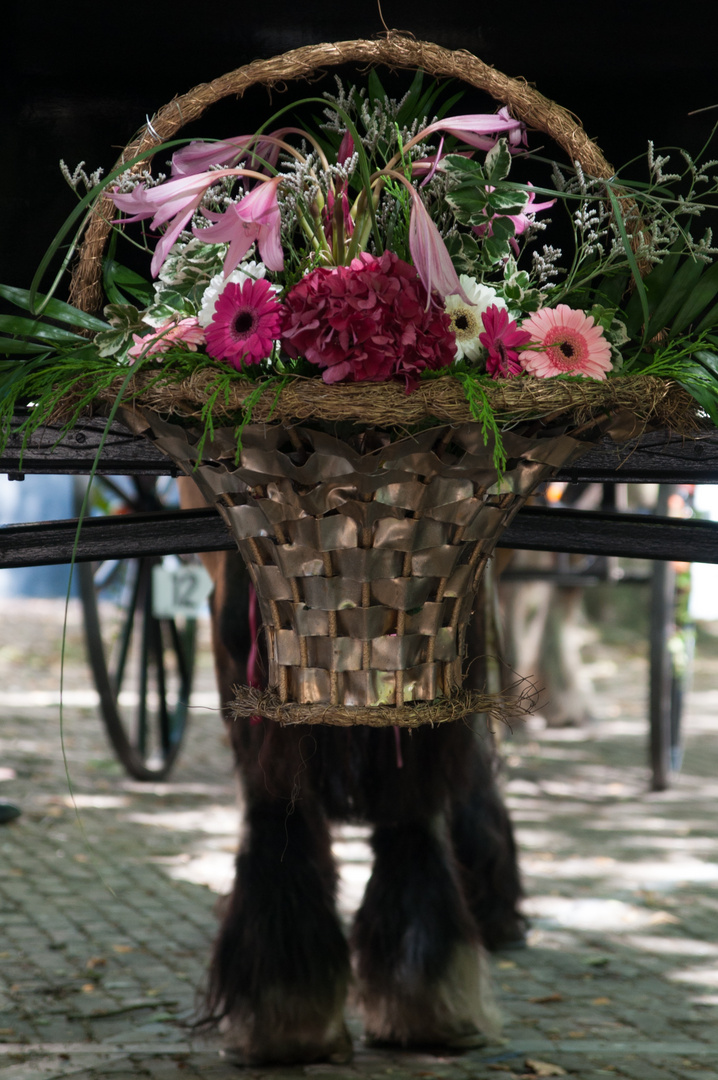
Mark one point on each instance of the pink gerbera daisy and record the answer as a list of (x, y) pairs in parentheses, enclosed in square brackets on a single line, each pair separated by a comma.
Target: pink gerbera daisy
[(502, 339), (245, 323), (185, 333), (565, 342)]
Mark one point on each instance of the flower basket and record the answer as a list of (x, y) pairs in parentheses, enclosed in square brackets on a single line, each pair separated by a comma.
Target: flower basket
[(366, 515)]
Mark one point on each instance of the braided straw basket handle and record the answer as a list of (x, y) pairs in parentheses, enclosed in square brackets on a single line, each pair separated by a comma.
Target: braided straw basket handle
[(395, 50)]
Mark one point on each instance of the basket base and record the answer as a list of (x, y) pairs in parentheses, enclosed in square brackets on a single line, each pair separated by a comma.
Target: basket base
[(250, 702)]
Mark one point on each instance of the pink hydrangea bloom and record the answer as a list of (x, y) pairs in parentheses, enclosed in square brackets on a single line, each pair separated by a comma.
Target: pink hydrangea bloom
[(245, 323), (187, 333), (366, 321), (502, 340), (565, 341)]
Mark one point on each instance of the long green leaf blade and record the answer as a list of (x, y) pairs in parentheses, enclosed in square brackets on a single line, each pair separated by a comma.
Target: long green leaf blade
[(12, 346), (31, 328), (698, 299), (681, 288), (55, 309), (631, 258)]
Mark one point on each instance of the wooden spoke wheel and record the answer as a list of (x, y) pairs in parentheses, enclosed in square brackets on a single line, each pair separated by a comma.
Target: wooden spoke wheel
[(142, 665)]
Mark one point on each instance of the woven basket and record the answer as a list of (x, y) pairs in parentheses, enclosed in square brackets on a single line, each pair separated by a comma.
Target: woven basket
[(366, 550)]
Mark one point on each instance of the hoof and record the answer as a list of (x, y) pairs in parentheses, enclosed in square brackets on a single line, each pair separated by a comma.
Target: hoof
[(288, 1048), (451, 1042), (456, 1013)]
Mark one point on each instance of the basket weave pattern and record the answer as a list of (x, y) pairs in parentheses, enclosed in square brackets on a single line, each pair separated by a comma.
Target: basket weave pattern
[(365, 553)]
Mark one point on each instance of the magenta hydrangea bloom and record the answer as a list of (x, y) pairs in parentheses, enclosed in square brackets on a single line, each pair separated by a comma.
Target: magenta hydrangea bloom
[(245, 324), (502, 340), (368, 321)]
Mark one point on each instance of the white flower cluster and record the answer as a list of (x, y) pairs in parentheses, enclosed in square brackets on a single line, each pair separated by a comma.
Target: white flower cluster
[(545, 266), (79, 176), (128, 181), (377, 118)]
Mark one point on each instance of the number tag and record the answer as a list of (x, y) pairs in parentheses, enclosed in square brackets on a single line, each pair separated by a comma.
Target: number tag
[(179, 591)]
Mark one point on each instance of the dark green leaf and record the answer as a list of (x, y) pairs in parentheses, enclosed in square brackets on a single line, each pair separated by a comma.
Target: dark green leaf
[(410, 107), (12, 345), (494, 250), (681, 286), (709, 320), (426, 109), (33, 328), (699, 375), (376, 90), (638, 281), (708, 360), (703, 294), (506, 202), (502, 228), (117, 276), (466, 168), (610, 290), (54, 309), (704, 391)]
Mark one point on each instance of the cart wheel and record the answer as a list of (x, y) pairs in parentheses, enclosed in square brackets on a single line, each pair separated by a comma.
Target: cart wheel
[(142, 666)]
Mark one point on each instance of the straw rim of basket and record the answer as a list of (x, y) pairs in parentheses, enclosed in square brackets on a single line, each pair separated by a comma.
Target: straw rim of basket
[(650, 400)]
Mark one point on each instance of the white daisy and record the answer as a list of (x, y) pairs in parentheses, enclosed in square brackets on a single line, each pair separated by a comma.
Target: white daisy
[(466, 318)]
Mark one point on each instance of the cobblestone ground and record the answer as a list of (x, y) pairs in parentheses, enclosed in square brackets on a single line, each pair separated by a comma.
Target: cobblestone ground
[(106, 907)]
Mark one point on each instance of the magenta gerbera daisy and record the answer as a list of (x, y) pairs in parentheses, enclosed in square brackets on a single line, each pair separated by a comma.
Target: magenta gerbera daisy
[(502, 340), (245, 323), (565, 342)]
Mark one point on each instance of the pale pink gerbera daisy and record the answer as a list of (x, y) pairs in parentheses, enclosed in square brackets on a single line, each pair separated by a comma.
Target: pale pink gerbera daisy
[(565, 342), (245, 323), (184, 333)]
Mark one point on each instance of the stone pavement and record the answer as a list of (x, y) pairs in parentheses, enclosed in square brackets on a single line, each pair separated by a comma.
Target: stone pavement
[(106, 905)]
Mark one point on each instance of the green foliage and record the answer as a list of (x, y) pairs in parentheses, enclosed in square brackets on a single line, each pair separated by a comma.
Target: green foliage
[(116, 278), (475, 205), (125, 321), (473, 387), (51, 308), (699, 375)]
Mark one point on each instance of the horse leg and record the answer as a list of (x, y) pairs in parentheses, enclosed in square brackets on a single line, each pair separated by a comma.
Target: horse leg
[(485, 848), (481, 829), (422, 973), (280, 968)]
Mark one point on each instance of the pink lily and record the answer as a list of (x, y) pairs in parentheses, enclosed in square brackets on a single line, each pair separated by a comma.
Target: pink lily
[(517, 136), (261, 150), (255, 218), (199, 156), (429, 253), (479, 129), (175, 202)]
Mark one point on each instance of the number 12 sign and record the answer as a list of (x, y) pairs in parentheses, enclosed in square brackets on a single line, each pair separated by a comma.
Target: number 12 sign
[(180, 590)]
